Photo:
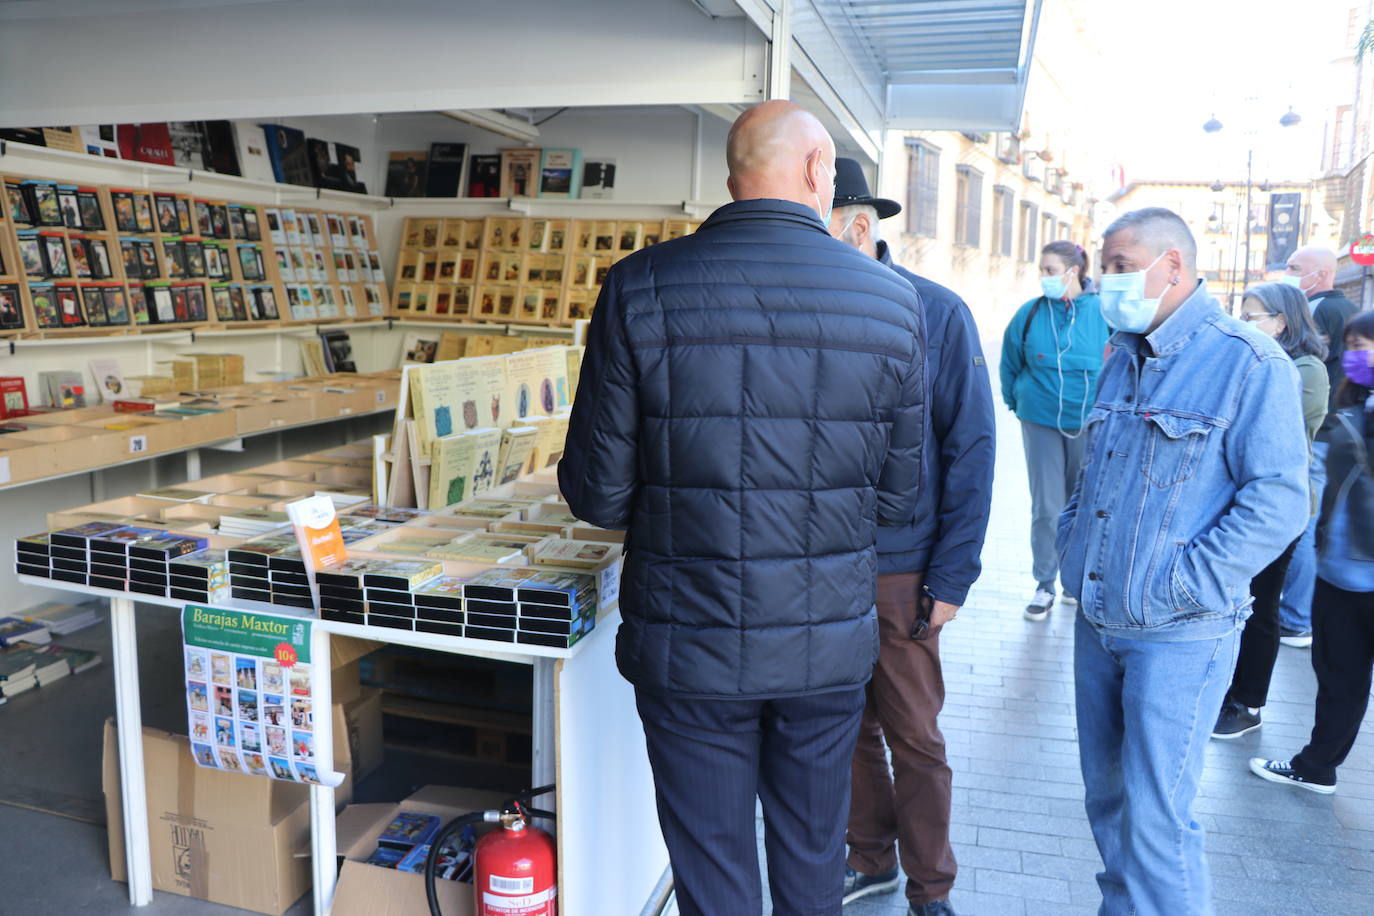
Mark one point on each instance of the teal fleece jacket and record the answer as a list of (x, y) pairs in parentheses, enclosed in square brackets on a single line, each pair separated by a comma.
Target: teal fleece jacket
[(1051, 378)]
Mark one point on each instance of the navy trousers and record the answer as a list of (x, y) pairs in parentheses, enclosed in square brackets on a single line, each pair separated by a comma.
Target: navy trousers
[(712, 758)]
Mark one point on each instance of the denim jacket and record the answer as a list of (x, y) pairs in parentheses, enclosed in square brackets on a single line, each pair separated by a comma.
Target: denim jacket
[(1195, 477)]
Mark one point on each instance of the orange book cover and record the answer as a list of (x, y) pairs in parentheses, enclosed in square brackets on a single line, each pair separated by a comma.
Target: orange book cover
[(317, 531)]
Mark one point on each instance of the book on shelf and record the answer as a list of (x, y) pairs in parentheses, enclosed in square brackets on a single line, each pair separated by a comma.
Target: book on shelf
[(188, 145), (317, 531), (14, 397), (324, 173), (406, 174), (99, 140), (517, 445), (254, 161), (76, 661), (109, 379), (219, 147), (312, 352), (484, 176), (17, 629), (63, 388), (445, 176), (338, 351), (519, 172), (149, 142), (598, 178), (348, 159), (560, 173), (64, 619), (463, 465), (287, 151)]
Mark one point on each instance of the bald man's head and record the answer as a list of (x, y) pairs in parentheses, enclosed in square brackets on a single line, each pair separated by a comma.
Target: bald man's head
[(779, 150), (1315, 268)]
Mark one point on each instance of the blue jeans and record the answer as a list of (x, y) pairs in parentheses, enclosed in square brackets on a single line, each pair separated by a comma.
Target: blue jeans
[(1145, 711), (1295, 609)]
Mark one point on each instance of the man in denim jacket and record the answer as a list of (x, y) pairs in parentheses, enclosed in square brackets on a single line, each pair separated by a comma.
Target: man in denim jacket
[(1195, 480)]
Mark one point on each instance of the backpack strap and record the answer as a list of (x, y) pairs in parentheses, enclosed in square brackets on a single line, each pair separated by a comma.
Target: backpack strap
[(1025, 329)]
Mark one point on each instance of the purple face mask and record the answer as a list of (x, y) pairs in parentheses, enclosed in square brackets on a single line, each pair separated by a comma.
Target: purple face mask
[(1357, 367)]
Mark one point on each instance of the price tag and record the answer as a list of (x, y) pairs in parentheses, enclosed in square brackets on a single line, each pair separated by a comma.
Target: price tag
[(138, 445), (345, 411), (381, 396)]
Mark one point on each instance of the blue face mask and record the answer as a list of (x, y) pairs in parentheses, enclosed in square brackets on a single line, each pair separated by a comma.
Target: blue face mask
[(1124, 305), (1054, 287)]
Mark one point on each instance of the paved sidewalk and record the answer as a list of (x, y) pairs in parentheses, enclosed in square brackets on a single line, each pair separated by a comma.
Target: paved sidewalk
[(1020, 833)]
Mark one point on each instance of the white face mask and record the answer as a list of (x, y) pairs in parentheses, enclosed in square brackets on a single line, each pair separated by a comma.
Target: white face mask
[(825, 218), (1295, 281), (1124, 305)]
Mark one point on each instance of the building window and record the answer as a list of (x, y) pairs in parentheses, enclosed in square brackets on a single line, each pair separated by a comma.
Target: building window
[(1009, 148), (922, 188), (1064, 231), (1054, 181), (1001, 221), (968, 219), (1028, 225), (1046, 229)]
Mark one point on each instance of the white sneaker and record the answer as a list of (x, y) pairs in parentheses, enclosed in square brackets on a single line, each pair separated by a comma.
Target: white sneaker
[(1040, 604), (1068, 600)]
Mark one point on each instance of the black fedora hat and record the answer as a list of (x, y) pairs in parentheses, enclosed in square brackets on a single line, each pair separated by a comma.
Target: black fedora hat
[(851, 189)]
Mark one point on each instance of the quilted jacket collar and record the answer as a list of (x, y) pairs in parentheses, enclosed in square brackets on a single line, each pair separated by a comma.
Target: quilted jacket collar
[(765, 208)]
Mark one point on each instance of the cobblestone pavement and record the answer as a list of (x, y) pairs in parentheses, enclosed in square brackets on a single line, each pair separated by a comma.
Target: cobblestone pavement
[(1019, 832)]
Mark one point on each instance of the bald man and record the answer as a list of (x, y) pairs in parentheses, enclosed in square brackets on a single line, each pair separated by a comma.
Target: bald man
[(751, 407), (1313, 270)]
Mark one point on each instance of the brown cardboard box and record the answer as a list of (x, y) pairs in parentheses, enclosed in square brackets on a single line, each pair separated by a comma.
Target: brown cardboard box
[(229, 838), (366, 890), (271, 412), (358, 749)]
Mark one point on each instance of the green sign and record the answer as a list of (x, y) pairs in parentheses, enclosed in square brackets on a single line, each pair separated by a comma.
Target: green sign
[(242, 633)]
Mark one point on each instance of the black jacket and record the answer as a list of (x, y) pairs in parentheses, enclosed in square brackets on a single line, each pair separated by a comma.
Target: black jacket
[(945, 539), (1330, 311), (750, 408)]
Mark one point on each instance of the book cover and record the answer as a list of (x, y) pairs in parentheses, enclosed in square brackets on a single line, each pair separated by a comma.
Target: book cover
[(519, 172), (220, 149), (188, 144), (16, 629), (254, 161), (287, 152), (445, 169), (463, 465), (348, 160), (472, 548), (517, 444), (484, 176), (317, 531), (576, 554), (63, 387), (150, 142), (338, 351), (406, 174), (14, 397), (323, 172), (560, 173), (598, 178), (109, 380)]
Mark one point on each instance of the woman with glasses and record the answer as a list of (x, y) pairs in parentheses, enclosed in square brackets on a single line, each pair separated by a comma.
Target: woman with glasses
[(1281, 312)]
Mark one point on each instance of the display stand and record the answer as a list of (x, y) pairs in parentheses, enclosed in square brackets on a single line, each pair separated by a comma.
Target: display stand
[(586, 738)]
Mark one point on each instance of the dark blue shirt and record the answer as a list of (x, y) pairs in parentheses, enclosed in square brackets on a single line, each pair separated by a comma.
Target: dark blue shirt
[(945, 539)]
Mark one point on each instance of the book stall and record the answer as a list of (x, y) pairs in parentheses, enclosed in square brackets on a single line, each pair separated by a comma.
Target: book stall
[(500, 571)]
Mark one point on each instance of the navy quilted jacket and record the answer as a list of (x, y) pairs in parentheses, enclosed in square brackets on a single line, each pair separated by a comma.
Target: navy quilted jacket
[(751, 405)]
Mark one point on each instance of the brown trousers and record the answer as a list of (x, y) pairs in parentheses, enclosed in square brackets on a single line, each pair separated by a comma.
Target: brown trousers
[(907, 807)]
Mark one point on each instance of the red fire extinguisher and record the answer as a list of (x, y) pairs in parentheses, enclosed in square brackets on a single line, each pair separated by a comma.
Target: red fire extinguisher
[(515, 869)]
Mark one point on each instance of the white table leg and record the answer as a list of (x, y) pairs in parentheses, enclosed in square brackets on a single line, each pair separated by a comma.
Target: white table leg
[(323, 840), (138, 860), (193, 464), (544, 766)]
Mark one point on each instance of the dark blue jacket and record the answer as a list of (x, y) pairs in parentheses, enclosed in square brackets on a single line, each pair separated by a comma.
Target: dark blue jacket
[(946, 537), (750, 409)]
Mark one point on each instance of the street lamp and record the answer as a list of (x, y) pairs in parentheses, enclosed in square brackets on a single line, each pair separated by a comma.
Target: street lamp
[(1288, 119)]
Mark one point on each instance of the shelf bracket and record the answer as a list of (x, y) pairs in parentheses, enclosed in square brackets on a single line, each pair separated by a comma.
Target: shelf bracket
[(3, 147)]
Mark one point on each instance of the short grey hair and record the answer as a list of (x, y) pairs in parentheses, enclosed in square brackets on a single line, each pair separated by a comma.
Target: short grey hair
[(872, 212), (1300, 334), (1158, 230)]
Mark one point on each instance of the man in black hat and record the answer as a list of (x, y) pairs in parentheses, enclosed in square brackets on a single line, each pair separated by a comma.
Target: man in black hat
[(925, 570)]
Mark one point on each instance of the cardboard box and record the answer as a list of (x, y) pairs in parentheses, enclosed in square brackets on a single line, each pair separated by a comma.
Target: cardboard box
[(224, 837), (366, 890), (358, 747), (271, 412)]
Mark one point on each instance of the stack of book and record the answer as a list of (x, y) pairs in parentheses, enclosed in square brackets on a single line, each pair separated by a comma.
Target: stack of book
[(15, 630), (201, 577), (269, 569), (64, 619), (250, 523), (376, 592), (24, 667)]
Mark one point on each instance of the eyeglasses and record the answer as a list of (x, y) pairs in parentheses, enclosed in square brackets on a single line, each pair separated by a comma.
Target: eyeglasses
[(1253, 317)]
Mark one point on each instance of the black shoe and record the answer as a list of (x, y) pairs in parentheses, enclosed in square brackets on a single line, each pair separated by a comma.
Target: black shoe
[(1282, 771), (1235, 720), (934, 908), (857, 884)]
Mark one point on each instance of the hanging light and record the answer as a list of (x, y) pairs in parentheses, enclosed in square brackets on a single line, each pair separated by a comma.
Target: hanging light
[(1289, 119), (1214, 125)]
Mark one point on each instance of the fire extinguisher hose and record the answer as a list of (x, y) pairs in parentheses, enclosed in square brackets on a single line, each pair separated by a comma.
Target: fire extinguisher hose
[(512, 806)]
